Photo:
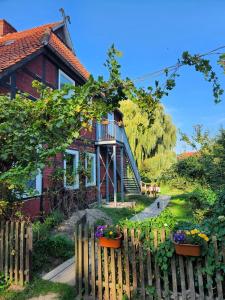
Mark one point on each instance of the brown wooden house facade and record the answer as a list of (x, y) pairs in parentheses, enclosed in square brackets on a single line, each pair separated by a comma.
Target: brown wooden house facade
[(46, 53)]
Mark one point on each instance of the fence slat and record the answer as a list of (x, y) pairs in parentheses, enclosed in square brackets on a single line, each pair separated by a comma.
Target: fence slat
[(29, 248), (149, 265), (134, 263), (218, 274), (22, 253), (2, 224), (99, 274), (174, 277), (86, 261), (106, 272), (141, 266), (182, 278), (80, 260), (113, 273), (191, 280), (11, 250), (127, 267), (120, 275), (16, 270), (200, 280), (209, 283), (165, 273), (93, 256), (76, 255), (6, 249), (157, 271)]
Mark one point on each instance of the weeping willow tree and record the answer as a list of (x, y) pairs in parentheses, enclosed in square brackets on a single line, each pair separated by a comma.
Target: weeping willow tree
[(152, 145)]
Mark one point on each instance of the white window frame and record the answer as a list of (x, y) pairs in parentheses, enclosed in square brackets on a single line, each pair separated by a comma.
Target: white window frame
[(65, 75), (38, 184), (94, 181), (76, 164)]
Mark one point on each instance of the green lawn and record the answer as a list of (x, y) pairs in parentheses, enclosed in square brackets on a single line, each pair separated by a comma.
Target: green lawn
[(39, 288), (118, 214), (178, 205)]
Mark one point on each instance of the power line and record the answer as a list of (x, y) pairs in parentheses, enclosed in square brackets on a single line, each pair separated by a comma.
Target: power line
[(173, 67)]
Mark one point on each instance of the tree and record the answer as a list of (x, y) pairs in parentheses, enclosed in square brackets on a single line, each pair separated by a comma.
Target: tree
[(152, 144), (32, 132)]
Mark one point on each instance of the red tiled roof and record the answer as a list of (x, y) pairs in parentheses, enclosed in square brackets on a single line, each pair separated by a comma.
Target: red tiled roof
[(187, 154), (14, 47)]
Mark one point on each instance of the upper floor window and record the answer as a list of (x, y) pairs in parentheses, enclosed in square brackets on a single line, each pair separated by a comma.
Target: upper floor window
[(64, 79), (90, 165), (71, 175)]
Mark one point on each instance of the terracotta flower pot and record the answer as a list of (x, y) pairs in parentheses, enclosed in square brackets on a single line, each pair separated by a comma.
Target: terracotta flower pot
[(110, 243), (105, 122), (187, 249)]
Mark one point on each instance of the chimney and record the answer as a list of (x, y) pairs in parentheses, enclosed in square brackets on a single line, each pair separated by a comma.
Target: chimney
[(6, 28)]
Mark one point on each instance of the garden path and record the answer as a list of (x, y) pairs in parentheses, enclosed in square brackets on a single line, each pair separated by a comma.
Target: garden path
[(154, 209)]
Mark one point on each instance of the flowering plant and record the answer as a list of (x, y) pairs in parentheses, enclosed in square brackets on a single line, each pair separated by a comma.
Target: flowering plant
[(107, 231), (194, 237)]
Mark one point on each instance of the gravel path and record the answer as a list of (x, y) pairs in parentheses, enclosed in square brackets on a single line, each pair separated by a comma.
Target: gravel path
[(153, 210)]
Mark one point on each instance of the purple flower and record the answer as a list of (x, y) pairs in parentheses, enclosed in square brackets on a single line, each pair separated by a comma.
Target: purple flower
[(100, 231), (179, 237)]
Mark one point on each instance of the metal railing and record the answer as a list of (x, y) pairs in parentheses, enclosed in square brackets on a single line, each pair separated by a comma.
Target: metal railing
[(111, 131)]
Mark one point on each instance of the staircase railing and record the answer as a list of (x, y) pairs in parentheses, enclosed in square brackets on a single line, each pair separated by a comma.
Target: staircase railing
[(110, 130)]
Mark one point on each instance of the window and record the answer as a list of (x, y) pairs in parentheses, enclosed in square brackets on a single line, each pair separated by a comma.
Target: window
[(34, 186), (90, 165), (64, 79), (71, 175)]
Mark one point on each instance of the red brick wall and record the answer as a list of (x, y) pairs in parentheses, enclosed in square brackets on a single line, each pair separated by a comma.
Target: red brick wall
[(4, 90)]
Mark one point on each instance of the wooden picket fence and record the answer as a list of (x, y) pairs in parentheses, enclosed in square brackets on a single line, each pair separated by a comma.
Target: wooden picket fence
[(15, 251), (132, 272)]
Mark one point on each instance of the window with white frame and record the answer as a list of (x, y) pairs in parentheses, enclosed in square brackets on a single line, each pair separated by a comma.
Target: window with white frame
[(34, 186), (90, 165), (65, 79), (71, 175)]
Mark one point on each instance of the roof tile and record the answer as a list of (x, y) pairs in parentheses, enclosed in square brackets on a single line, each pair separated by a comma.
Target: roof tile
[(14, 47)]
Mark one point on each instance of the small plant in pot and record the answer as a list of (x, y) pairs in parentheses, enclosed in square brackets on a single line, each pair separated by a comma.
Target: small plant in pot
[(189, 242), (108, 236)]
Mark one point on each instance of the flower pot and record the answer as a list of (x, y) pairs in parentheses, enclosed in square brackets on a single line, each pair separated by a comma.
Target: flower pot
[(187, 249), (110, 243), (105, 122)]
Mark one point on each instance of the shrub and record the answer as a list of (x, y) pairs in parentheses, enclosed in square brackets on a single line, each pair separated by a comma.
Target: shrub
[(164, 220), (49, 249), (4, 282), (41, 230), (202, 198)]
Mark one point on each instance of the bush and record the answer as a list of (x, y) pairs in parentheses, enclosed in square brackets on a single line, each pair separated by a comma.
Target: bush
[(164, 220), (41, 230), (4, 282), (52, 248), (202, 198)]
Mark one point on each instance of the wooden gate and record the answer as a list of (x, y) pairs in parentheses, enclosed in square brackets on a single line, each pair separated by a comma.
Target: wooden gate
[(132, 273), (15, 251)]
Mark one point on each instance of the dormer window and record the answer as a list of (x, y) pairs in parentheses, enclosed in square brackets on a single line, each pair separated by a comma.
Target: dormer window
[(64, 79)]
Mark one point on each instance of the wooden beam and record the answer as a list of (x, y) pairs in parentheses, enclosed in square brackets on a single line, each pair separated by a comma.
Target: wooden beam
[(98, 176), (121, 174), (107, 175), (114, 175)]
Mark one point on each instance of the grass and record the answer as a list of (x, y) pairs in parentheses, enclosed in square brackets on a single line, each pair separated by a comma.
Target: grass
[(178, 205), (40, 287), (119, 214)]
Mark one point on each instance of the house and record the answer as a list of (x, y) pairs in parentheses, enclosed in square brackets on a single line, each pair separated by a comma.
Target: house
[(46, 53)]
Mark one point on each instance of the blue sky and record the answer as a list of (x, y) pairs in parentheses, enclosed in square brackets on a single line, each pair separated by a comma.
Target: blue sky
[(151, 35)]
